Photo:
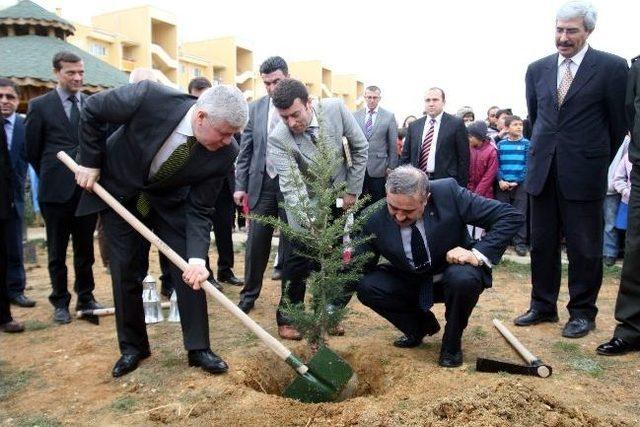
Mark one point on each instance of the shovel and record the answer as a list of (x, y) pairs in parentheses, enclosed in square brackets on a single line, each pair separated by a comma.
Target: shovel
[(327, 377), (534, 367)]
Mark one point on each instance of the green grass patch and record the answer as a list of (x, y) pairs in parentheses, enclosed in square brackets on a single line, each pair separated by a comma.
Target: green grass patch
[(478, 332), (576, 360), (612, 272), (38, 421), (36, 325), (11, 382), (124, 403), (170, 359)]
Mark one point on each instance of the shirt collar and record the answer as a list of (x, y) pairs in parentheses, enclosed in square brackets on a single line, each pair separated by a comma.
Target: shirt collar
[(11, 118), (184, 127), (577, 58), (438, 118), (314, 120), (375, 110), (64, 95)]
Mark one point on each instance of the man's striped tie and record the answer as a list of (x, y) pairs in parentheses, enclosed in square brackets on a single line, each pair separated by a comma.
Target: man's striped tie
[(368, 126), (565, 83), (167, 169), (426, 146)]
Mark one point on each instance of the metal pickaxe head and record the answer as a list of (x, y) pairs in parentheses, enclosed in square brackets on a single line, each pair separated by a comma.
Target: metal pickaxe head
[(536, 368)]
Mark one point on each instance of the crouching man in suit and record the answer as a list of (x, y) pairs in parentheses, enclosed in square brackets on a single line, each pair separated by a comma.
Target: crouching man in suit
[(166, 163), (421, 231)]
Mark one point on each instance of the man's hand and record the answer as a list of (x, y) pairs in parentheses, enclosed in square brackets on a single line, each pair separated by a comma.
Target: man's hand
[(239, 197), (348, 200), (194, 275), (86, 177), (513, 185), (460, 255), (504, 185)]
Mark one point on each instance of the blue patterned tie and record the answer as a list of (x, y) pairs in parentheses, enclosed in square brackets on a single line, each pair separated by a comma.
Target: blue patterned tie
[(368, 126)]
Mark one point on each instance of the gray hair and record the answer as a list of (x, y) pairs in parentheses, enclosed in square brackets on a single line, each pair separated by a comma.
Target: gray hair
[(579, 9), (224, 103), (407, 180), (140, 74)]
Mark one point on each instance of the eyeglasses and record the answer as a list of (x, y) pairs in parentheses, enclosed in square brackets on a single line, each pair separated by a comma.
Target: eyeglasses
[(9, 96)]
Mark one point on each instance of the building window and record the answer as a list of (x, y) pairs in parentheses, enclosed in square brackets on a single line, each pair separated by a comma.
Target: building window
[(197, 72), (98, 49)]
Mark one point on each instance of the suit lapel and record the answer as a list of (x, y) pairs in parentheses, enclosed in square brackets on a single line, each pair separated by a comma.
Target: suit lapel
[(379, 118), (58, 110), (585, 72), (551, 78)]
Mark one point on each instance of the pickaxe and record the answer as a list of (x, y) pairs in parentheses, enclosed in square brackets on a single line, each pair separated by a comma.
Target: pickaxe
[(534, 366)]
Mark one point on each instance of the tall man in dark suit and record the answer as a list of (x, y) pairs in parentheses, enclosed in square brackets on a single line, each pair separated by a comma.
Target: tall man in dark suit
[(223, 212), (576, 106), (257, 181), (422, 232), (165, 164), (14, 131), (51, 126), (438, 143), (381, 130), (7, 324), (626, 336)]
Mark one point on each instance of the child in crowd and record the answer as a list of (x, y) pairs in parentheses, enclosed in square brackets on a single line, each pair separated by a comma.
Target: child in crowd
[(611, 239), (483, 164), (622, 184), (512, 170)]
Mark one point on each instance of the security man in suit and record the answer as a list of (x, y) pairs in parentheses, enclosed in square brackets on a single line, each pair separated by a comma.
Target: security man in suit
[(166, 164), (626, 336), (437, 143), (421, 231), (7, 324), (14, 131), (381, 130), (51, 126), (257, 182), (575, 99)]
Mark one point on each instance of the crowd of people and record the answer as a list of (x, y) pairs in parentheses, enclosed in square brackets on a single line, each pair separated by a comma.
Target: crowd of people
[(447, 194)]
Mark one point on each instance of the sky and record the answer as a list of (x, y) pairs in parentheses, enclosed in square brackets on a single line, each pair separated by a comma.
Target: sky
[(477, 51)]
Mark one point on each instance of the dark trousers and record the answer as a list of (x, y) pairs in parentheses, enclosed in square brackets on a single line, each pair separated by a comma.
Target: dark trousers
[(393, 294), (295, 271), (259, 239), (374, 187), (5, 308), (223, 219), (16, 278), (102, 242), (518, 199), (61, 223), (628, 302), (581, 224), (124, 251)]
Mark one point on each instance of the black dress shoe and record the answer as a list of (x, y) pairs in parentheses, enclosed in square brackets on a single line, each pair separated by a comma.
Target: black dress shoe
[(127, 363), (208, 361), (276, 274), (61, 315), (22, 301), (609, 261), (246, 306), (450, 359), (231, 280), (216, 284), (408, 341), (616, 347), (533, 317), (89, 305), (578, 328)]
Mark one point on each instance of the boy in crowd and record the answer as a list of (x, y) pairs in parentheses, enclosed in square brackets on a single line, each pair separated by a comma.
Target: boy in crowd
[(512, 170)]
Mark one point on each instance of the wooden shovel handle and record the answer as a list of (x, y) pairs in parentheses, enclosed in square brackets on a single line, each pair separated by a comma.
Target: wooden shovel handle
[(283, 352), (97, 312), (524, 353)]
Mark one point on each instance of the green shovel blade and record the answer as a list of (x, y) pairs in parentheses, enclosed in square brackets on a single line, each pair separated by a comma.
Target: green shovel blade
[(328, 375)]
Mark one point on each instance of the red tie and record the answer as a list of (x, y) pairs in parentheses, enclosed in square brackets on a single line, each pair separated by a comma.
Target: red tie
[(426, 146)]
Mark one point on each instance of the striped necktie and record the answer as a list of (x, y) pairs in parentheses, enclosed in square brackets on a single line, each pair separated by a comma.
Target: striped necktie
[(368, 126), (168, 168), (426, 146), (565, 83)]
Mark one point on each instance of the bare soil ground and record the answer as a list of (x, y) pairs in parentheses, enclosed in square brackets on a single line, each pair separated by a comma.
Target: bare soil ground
[(54, 375)]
